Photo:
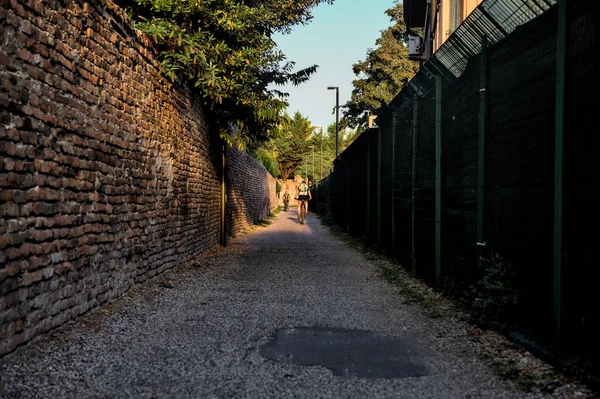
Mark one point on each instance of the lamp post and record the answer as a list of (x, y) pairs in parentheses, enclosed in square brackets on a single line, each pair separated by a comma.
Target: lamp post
[(337, 116), (321, 170)]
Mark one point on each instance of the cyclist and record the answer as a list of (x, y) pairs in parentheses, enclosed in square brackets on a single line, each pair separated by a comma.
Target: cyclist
[(303, 195), (286, 201)]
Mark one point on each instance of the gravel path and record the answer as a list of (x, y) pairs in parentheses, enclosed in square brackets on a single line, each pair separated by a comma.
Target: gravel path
[(198, 331)]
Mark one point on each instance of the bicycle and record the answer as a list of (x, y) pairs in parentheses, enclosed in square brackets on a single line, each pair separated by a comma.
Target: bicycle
[(302, 210)]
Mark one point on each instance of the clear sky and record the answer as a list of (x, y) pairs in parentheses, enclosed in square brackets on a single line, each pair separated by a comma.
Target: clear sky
[(337, 37)]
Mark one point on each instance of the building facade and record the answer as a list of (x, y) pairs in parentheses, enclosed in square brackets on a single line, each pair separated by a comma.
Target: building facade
[(437, 19)]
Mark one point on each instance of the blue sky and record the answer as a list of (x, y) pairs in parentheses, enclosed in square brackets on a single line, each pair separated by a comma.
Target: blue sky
[(337, 37)]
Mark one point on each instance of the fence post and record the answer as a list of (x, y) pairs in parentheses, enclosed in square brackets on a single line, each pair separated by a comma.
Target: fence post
[(481, 150), (368, 185), (379, 132), (393, 181), (414, 162), (438, 179), (347, 199), (223, 216), (561, 55)]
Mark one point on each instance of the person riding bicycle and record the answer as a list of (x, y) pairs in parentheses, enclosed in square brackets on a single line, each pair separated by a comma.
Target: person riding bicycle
[(286, 200), (303, 195)]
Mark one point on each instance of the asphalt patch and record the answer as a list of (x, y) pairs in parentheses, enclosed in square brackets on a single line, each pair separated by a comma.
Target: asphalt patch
[(347, 353)]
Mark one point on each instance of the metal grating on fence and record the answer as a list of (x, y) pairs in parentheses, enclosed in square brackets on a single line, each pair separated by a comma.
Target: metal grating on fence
[(493, 20)]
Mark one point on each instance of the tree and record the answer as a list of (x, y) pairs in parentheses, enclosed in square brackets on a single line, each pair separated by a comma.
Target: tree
[(224, 48), (290, 148), (291, 144), (383, 74), (267, 159), (346, 138)]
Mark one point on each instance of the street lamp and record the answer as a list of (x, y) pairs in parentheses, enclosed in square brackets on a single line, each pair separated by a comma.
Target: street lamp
[(337, 116)]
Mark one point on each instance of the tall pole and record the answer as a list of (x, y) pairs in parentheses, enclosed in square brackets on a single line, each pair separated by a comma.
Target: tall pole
[(415, 134), (378, 197), (337, 119), (559, 126), (438, 179), (394, 120), (481, 147), (368, 212), (223, 198)]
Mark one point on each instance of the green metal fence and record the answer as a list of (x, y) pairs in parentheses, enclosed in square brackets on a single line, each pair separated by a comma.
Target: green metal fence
[(467, 162)]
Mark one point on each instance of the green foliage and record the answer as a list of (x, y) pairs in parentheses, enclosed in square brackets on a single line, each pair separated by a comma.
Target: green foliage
[(277, 187), (491, 301), (290, 148), (383, 74), (224, 48), (268, 161), (291, 143), (284, 151), (327, 142), (263, 222)]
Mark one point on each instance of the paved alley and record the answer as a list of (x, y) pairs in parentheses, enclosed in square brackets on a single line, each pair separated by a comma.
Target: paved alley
[(285, 311)]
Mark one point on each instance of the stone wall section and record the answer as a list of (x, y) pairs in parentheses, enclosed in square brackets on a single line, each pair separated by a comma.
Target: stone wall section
[(251, 191), (106, 170)]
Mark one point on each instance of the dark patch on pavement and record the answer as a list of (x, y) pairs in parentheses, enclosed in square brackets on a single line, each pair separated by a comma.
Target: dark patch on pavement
[(347, 353)]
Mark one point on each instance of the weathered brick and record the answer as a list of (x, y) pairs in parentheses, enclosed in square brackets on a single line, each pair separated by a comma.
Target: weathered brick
[(8, 316), (94, 196), (15, 225), (9, 209), (12, 268), (12, 253), (14, 298), (48, 272), (19, 326), (31, 278), (29, 249)]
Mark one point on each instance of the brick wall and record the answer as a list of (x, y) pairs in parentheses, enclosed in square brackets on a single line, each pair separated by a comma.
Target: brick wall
[(251, 191), (107, 176)]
